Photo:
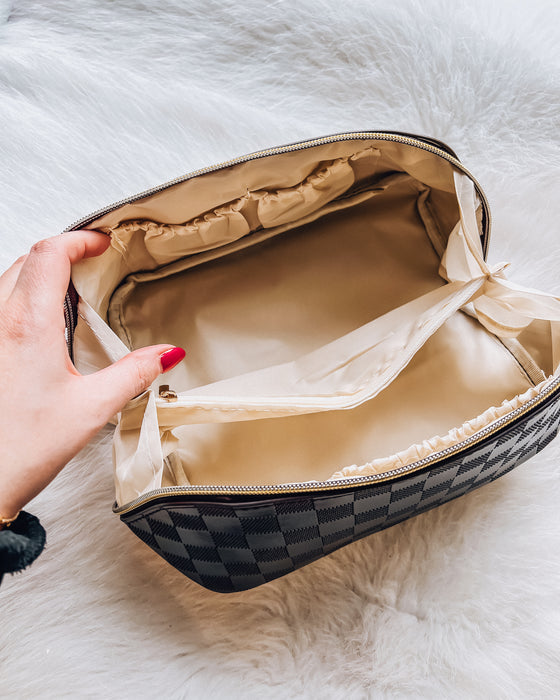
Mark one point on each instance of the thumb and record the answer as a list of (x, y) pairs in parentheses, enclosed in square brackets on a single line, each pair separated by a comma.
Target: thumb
[(115, 385)]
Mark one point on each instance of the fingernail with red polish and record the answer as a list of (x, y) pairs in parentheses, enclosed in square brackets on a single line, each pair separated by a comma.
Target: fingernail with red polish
[(170, 358)]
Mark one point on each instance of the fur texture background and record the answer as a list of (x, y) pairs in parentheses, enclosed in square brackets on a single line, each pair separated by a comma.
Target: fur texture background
[(100, 99)]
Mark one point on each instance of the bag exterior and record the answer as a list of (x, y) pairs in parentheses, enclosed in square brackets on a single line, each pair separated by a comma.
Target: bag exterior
[(231, 544)]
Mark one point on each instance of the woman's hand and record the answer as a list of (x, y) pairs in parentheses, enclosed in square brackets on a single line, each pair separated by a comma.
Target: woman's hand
[(48, 411)]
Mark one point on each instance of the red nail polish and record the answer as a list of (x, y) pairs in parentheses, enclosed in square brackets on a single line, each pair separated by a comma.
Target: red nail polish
[(170, 358)]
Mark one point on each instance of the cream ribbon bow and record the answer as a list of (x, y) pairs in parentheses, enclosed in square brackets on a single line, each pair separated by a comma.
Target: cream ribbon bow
[(503, 307)]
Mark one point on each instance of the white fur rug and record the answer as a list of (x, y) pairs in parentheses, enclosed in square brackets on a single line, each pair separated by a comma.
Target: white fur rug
[(100, 99)]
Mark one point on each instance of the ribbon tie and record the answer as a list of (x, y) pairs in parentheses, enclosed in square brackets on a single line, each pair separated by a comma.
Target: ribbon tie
[(506, 309)]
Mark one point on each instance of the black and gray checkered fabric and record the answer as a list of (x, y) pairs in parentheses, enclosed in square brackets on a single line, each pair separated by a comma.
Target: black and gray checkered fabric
[(235, 546)]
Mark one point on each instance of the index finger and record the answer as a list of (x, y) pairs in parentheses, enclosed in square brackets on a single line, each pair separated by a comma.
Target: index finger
[(44, 276)]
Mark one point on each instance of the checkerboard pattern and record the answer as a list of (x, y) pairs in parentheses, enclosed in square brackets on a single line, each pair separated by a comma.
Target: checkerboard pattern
[(235, 546)]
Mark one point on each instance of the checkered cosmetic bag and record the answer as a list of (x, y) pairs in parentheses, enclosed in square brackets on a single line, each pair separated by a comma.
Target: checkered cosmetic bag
[(352, 358)]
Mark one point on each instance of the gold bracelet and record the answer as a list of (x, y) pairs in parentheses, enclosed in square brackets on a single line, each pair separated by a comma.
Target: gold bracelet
[(6, 522)]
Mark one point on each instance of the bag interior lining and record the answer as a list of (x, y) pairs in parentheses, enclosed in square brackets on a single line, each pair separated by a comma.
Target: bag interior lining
[(280, 298), (271, 260)]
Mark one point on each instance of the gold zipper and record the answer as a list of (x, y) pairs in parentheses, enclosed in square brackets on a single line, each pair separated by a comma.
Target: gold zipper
[(342, 484)]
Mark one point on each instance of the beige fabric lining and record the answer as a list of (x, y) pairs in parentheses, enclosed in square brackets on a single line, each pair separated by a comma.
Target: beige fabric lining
[(318, 296)]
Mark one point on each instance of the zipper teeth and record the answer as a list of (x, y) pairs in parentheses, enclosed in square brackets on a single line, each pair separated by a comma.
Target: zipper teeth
[(358, 135), (69, 323), (336, 484)]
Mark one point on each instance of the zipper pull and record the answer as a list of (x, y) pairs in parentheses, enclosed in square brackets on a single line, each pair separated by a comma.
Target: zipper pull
[(166, 393)]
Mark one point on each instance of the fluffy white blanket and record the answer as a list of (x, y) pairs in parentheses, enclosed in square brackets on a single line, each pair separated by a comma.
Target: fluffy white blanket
[(101, 99)]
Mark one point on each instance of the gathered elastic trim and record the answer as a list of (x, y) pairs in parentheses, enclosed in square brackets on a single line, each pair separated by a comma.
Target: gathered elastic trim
[(255, 210), (438, 443)]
